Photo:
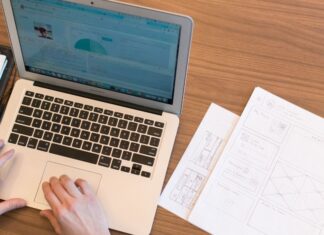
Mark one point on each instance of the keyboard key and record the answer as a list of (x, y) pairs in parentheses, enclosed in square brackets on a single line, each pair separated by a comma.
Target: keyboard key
[(125, 169), (146, 174), (47, 116), (98, 110), (23, 130), (104, 161), (108, 112), (124, 134), (95, 127), (65, 130), (85, 125), (122, 124), (66, 120), (58, 100), (77, 143), (13, 138), (36, 103), (67, 140), (32, 143), (114, 132), (106, 150), (144, 139), (126, 155), (23, 140), (29, 93), (74, 112), (124, 144), (64, 110), (104, 139), (38, 133), (94, 137), (88, 107), (56, 128), (103, 119), (134, 147), (128, 117), (84, 114), (37, 123), (26, 110), (116, 164), (149, 122), (148, 150), (143, 159), (39, 96), (96, 148), (48, 136), (55, 107), (134, 137), (159, 124), (86, 145), (49, 98), (104, 130), (85, 135), (43, 145), (78, 105), (114, 142), (75, 132), (45, 105), (116, 153), (27, 101), (119, 115), (138, 119), (157, 132), (23, 120), (37, 113), (74, 153), (57, 138), (93, 117), (112, 121), (136, 169), (132, 126), (142, 129), (155, 142), (75, 122), (68, 103), (57, 118)]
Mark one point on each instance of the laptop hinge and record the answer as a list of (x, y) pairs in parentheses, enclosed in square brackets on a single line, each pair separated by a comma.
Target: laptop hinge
[(97, 97)]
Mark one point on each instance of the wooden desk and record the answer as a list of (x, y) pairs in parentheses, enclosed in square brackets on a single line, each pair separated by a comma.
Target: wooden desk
[(237, 45)]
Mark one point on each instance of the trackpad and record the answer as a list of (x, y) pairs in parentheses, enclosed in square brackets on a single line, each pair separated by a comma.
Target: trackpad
[(55, 169)]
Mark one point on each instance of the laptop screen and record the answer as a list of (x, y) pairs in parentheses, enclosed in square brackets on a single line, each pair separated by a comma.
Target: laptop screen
[(101, 48)]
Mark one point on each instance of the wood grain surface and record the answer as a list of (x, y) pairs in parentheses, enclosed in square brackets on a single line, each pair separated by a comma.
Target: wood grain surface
[(237, 45)]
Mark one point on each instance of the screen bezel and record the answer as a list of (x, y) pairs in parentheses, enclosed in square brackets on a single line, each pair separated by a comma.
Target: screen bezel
[(185, 22)]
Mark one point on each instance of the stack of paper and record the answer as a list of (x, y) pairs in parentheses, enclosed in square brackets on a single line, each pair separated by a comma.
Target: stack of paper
[(3, 63), (269, 178)]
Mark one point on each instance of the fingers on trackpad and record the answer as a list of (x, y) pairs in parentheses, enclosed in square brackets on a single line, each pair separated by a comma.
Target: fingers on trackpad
[(55, 169)]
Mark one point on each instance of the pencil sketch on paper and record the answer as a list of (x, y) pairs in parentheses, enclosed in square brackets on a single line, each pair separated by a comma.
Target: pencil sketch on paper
[(206, 150), (187, 187)]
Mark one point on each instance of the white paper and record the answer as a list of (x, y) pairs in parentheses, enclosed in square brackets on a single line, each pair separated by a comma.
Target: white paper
[(199, 159), (3, 63), (270, 177)]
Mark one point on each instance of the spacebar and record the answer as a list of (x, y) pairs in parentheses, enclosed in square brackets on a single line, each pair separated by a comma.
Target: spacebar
[(74, 153)]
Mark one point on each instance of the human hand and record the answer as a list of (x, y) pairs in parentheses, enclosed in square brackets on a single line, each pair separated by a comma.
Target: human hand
[(15, 203), (75, 210)]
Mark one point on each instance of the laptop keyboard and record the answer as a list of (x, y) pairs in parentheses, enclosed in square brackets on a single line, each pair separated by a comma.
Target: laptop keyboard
[(92, 134)]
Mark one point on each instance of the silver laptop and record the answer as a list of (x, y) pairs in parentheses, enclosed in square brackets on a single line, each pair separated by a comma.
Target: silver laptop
[(99, 97)]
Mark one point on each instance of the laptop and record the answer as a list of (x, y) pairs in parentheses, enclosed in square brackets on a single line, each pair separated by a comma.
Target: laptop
[(99, 98)]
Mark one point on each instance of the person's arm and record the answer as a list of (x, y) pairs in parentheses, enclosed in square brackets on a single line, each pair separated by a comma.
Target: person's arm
[(75, 210), (15, 203)]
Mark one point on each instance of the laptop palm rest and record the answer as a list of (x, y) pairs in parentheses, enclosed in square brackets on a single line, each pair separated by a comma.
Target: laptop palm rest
[(55, 169)]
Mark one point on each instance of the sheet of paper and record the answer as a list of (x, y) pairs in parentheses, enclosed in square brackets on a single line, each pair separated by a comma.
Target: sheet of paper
[(3, 63), (270, 177), (199, 159)]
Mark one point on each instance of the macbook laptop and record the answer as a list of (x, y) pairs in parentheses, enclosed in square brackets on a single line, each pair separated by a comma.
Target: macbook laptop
[(99, 98)]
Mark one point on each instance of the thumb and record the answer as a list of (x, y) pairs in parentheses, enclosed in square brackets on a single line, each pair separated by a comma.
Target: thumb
[(11, 204), (50, 216)]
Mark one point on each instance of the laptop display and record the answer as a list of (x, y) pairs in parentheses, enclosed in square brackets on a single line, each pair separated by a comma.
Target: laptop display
[(101, 48)]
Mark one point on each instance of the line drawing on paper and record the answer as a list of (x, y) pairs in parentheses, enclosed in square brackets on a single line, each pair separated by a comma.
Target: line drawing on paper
[(296, 191), (206, 149), (187, 187)]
